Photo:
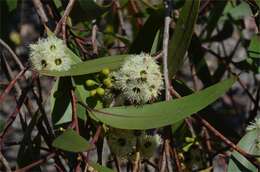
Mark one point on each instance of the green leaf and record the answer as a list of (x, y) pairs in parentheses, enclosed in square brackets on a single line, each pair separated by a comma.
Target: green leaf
[(83, 95), (254, 47), (12, 4), (181, 38), (100, 168), (90, 66), (238, 11), (144, 40), (247, 143), (156, 42), (162, 113), (71, 141)]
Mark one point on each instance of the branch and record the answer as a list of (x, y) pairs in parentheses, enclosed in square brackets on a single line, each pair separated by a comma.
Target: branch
[(16, 59), (167, 21), (30, 166), (63, 20), (249, 157), (39, 8), (5, 163), (11, 84)]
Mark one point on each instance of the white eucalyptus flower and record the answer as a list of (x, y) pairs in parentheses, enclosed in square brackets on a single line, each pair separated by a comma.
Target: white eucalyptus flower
[(149, 144), (49, 54), (121, 142), (139, 79)]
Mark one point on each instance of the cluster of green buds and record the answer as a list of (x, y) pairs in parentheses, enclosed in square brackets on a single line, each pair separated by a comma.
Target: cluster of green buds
[(190, 141), (98, 85), (125, 143)]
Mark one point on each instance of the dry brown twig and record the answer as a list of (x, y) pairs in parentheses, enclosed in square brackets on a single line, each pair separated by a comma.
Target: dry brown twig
[(63, 20), (5, 163)]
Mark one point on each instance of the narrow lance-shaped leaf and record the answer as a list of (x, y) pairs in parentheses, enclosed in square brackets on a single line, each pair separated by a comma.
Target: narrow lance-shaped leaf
[(181, 38), (90, 66), (162, 113)]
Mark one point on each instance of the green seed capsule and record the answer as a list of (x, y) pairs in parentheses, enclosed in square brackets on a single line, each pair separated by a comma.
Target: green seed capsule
[(100, 91), (189, 139), (105, 71), (107, 82), (93, 92), (90, 83)]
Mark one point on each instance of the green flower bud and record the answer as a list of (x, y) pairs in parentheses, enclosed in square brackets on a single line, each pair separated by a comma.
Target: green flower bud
[(105, 71), (189, 139), (90, 83), (100, 91), (93, 92), (107, 82)]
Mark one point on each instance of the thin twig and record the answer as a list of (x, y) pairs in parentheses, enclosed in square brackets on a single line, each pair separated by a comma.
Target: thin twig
[(136, 163), (63, 20), (5, 163), (249, 157), (120, 16), (36, 163), (135, 9), (13, 115), (11, 84), (75, 123), (94, 38), (167, 21), (40, 10), (16, 59)]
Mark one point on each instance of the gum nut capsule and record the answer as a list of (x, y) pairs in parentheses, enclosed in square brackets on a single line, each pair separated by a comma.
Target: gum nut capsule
[(100, 91), (107, 82), (105, 71), (93, 92), (90, 83)]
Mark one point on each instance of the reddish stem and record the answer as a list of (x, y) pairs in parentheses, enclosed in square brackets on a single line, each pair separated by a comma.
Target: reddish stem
[(28, 167), (11, 84)]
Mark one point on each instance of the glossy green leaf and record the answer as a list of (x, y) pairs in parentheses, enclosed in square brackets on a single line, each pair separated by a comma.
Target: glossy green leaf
[(248, 143), (162, 113), (90, 66), (180, 41), (71, 141)]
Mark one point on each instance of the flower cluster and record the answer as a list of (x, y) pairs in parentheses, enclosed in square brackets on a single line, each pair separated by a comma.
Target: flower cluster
[(139, 79), (121, 142), (49, 54), (124, 143), (148, 145)]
